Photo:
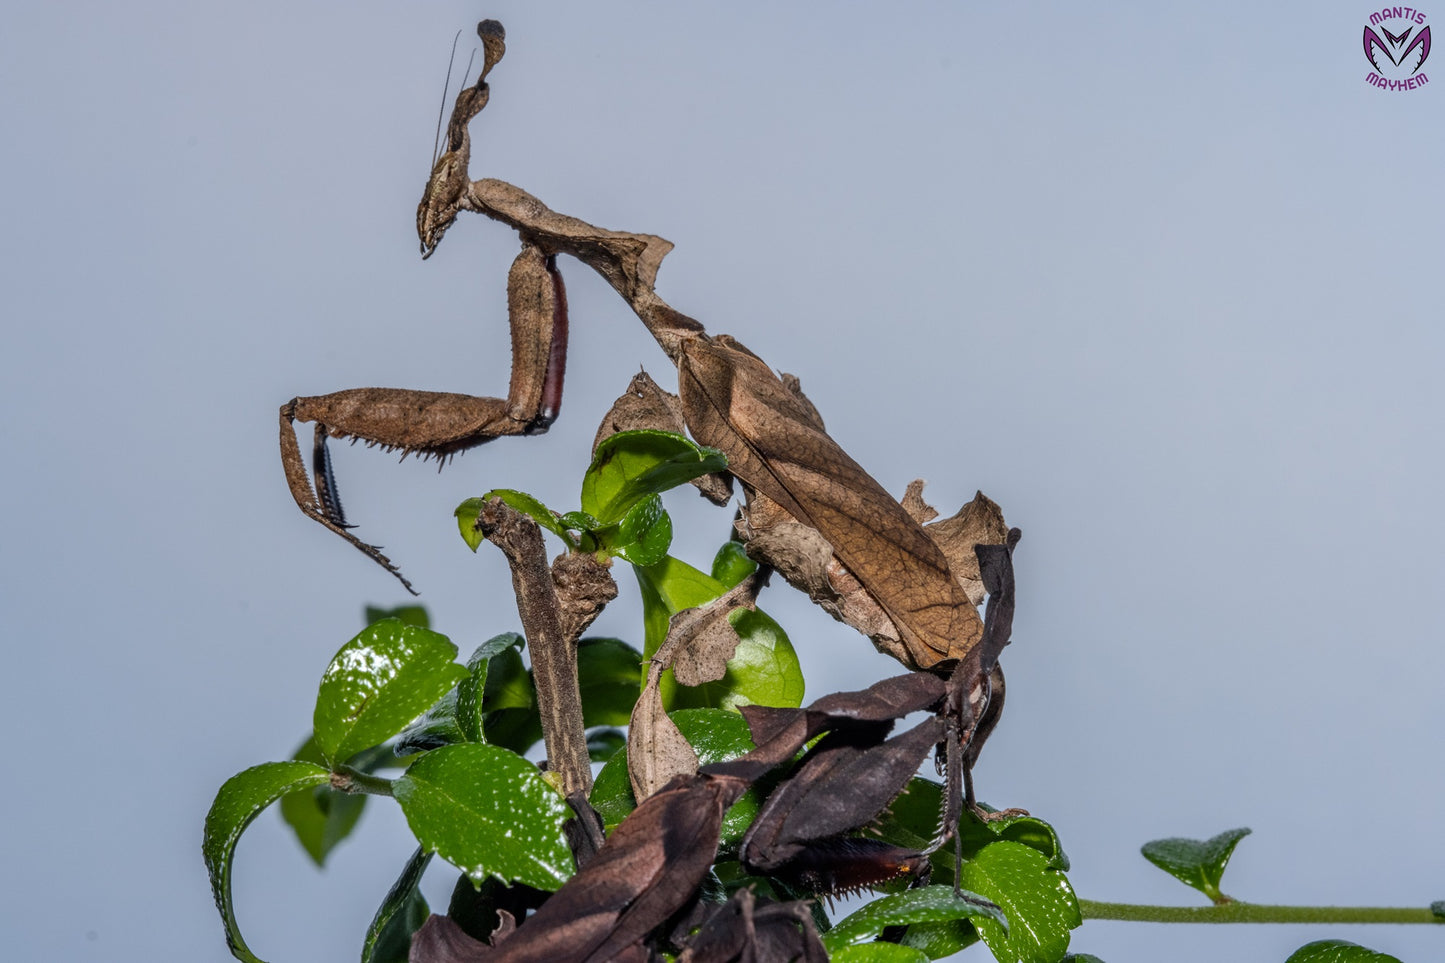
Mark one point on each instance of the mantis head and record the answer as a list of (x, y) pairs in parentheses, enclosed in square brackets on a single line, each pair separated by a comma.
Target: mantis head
[(447, 187)]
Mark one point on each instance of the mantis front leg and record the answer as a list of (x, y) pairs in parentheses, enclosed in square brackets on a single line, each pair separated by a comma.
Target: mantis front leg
[(438, 424)]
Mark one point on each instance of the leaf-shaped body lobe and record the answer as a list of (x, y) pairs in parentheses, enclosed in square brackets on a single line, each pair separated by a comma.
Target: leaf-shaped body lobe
[(441, 940), (735, 403), (747, 928), (650, 867), (841, 785)]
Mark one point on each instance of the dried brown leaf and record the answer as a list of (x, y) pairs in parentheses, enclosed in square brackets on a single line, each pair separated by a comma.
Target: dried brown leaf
[(650, 867), (980, 522), (914, 504), (657, 751)]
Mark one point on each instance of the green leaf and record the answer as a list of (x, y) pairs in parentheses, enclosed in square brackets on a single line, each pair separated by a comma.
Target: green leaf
[(322, 817), (631, 465), (929, 904), (1038, 901), (488, 812), (603, 744), (459, 715), (402, 912), (1338, 951), (731, 564), (510, 704), (644, 534), (612, 791), (514, 729), (581, 522), (1197, 864), (377, 683), (1080, 958), (912, 820), (717, 736), (876, 953), (239, 801), (437, 727), (763, 670), (507, 712), (467, 514), (410, 614), (509, 683), (608, 678), (1029, 830), (471, 691), (531, 507), (940, 940)]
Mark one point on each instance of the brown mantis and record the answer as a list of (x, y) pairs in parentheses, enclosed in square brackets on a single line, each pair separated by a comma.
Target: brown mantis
[(775, 443)]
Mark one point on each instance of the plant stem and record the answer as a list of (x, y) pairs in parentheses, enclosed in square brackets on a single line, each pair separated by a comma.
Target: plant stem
[(1256, 913), (554, 656), (348, 779)]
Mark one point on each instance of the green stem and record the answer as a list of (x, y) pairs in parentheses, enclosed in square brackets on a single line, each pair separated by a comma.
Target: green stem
[(348, 779), (1256, 913)]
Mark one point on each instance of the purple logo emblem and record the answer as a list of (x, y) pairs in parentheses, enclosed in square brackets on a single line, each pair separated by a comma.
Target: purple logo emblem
[(1397, 51)]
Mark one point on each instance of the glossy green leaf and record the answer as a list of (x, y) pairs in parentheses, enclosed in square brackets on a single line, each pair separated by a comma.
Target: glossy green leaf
[(515, 729), (510, 716), (467, 514), (604, 743), (612, 791), (531, 507), (912, 819), (471, 691), (1080, 958), (1029, 830), (644, 535), (322, 817), (876, 953), (928, 904), (1199, 864), (1338, 951), (939, 941), (717, 736), (488, 812), (631, 465), (437, 727), (581, 522), (239, 801), (402, 912), (764, 668), (380, 681), (509, 683), (410, 614), (459, 715), (607, 675), (1038, 902), (731, 564)]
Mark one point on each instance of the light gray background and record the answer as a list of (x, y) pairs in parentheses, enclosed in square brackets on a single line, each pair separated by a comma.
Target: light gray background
[(1163, 281)]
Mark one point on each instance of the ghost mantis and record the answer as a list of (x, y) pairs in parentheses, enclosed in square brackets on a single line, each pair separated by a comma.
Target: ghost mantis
[(901, 584)]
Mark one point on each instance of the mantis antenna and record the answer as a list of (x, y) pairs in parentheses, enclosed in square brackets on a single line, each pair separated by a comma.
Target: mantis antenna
[(442, 110)]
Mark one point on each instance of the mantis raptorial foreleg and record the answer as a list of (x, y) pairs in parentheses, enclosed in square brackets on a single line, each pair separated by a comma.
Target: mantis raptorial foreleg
[(438, 424)]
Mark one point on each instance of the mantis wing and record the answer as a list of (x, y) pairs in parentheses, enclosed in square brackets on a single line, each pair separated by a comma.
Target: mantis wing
[(734, 402)]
